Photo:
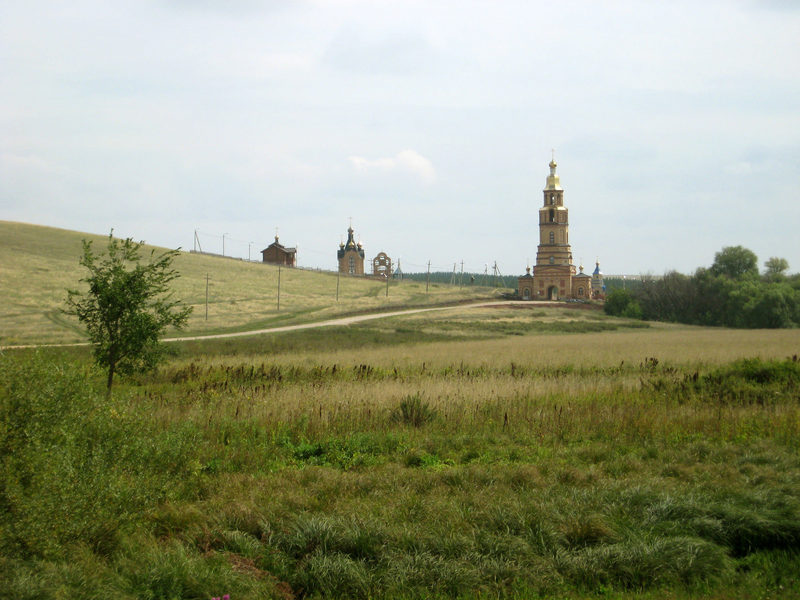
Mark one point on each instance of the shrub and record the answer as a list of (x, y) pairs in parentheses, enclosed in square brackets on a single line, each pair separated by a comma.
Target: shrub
[(76, 467)]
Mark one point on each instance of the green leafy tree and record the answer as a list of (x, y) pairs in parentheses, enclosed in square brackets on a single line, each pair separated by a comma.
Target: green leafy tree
[(127, 306), (735, 262), (620, 303), (776, 268)]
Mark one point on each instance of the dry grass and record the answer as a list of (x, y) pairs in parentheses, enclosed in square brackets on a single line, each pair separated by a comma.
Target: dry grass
[(671, 344)]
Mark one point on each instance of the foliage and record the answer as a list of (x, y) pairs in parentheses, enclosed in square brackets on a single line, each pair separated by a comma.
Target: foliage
[(621, 303), (127, 306), (735, 262), (775, 267), (727, 294), (75, 467)]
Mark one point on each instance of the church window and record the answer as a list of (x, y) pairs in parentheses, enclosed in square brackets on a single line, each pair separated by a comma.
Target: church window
[(352, 265), (580, 291), (552, 260), (552, 215), (552, 237)]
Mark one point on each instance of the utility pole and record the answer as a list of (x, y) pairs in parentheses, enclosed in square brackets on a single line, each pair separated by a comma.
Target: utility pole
[(428, 277), (206, 296), (223, 243), (387, 284), (279, 287), (494, 274), (453, 276), (461, 279), (248, 250)]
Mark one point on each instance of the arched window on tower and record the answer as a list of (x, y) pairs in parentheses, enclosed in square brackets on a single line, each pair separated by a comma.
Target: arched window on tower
[(552, 237), (552, 215), (352, 265)]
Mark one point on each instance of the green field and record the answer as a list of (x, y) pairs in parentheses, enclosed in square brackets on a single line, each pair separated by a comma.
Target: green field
[(38, 264), (514, 451), (495, 452)]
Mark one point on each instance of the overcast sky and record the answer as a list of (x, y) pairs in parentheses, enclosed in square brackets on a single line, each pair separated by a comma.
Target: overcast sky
[(676, 126)]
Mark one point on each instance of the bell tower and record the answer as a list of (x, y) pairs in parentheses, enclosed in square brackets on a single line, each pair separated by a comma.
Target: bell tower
[(554, 270)]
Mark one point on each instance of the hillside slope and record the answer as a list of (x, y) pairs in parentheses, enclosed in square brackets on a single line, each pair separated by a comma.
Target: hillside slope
[(38, 264)]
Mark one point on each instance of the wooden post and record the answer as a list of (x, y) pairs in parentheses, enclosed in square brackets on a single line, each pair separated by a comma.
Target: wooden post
[(206, 296), (428, 277), (279, 288)]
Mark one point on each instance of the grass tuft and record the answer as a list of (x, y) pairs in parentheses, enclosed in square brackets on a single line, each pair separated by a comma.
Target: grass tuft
[(413, 411)]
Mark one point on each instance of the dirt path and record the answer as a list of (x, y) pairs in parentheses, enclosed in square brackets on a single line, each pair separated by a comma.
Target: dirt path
[(328, 323), (346, 320)]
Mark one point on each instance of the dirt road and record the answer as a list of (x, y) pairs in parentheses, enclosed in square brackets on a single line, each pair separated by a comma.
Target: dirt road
[(328, 323)]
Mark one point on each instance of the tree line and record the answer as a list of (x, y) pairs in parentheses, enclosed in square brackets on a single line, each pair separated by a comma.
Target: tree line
[(729, 293)]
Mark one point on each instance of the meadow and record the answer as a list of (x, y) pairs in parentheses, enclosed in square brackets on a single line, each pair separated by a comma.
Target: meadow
[(40, 263), (499, 452)]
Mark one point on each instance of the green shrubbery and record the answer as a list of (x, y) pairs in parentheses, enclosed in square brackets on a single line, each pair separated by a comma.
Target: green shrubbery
[(729, 293)]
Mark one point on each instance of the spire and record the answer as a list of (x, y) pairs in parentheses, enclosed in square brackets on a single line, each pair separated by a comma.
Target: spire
[(351, 243), (553, 180)]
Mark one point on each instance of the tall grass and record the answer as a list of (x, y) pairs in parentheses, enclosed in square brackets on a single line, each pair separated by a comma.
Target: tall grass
[(455, 475)]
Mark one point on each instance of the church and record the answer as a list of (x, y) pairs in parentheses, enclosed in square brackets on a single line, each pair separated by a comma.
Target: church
[(350, 255), (554, 274)]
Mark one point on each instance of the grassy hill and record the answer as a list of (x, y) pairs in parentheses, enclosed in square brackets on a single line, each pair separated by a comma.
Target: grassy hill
[(37, 265)]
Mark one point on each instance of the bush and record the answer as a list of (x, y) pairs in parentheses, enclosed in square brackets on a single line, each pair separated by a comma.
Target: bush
[(76, 467), (620, 303)]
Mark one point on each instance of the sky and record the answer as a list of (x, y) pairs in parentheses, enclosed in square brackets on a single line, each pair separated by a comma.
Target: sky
[(430, 124)]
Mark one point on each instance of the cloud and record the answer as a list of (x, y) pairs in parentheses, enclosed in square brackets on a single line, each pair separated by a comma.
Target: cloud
[(407, 161)]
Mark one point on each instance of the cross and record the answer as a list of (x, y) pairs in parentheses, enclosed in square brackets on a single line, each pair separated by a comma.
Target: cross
[(553, 154), (351, 222)]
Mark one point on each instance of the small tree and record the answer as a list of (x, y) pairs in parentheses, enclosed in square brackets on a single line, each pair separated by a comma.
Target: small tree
[(127, 306)]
